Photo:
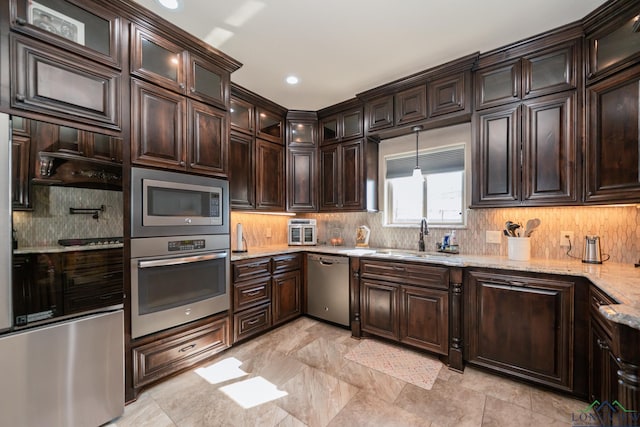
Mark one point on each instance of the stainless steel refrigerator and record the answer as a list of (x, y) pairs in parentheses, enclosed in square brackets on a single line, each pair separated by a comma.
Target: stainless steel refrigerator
[(69, 373)]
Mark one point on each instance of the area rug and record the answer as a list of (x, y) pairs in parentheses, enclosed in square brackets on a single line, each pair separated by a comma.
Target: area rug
[(406, 365)]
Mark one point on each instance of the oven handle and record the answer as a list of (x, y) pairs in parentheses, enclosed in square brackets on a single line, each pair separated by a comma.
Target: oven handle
[(181, 260)]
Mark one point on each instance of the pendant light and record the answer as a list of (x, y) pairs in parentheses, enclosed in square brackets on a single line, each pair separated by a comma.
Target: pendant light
[(417, 173)]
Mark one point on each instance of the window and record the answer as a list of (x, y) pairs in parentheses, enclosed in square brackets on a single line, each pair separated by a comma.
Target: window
[(439, 197)]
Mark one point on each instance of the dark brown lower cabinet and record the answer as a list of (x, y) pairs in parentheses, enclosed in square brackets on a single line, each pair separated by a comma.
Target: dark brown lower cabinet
[(522, 326), (408, 303), (603, 378), (266, 292), (164, 356)]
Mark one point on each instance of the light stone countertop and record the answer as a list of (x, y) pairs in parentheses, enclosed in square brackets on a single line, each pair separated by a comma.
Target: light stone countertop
[(620, 281)]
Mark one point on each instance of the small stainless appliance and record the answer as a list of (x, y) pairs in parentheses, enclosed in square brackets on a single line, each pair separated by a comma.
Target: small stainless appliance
[(592, 253), (177, 204), (302, 232), (178, 279)]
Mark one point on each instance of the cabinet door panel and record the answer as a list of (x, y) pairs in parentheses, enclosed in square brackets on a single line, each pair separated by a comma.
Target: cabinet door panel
[(550, 71), (286, 296), (99, 40), (329, 179), (270, 175), (498, 85), (352, 165), (497, 155), (550, 166), (613, 154), (157, 59), (379, 113), (352, 124), (329, 130), (157, 135), (241, 172), (60, 83), (20, 185), (379, 308), (207, 82), (302, 189), (424, 318), (207, 143), (241, 115), (411, 105), (448, 94), (523, 326)]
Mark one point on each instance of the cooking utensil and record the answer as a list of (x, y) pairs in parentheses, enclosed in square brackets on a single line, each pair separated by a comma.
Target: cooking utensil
[(532, 224)]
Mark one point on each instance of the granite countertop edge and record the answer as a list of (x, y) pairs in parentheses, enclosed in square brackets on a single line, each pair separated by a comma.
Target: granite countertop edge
[(619, 281)]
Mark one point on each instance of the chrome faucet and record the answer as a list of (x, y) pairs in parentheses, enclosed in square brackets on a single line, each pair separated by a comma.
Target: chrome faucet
[(424, 231)]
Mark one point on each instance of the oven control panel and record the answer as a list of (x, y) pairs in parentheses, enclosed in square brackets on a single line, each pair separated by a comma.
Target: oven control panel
[(185, 245)]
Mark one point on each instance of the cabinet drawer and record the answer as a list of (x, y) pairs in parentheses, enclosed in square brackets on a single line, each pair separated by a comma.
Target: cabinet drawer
[(251, 322), (414, 274), (249, 293), (596, 299), (286, 263), (161, 358), (248, 269)]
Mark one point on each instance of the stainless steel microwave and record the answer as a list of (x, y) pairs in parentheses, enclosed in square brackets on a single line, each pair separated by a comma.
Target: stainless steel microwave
[(172, 204)]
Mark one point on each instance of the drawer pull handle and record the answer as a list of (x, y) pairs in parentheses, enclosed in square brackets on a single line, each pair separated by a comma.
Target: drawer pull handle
[(251, 293), (602, 344), (20, 97), (106, 297), (522, 284), (187, 348), (21, 21), (254, 321)]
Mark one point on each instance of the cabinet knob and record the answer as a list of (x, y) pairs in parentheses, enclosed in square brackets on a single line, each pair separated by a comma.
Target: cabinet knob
[(181, 85), (182, 163), (192, 89), (193, 165), (21, 21), (20, 97)]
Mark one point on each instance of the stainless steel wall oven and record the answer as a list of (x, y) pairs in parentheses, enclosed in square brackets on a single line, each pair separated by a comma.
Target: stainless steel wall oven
[(177, 279)]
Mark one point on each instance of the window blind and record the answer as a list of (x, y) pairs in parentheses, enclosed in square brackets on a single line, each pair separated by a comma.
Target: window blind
[(433, 162)]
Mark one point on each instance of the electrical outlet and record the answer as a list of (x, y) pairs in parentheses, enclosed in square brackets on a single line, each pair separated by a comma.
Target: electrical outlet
[(267, 233), (493, 236), (565, 236)]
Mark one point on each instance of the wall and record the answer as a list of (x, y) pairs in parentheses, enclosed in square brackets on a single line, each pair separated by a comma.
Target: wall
[(50, 220), (617, 226)]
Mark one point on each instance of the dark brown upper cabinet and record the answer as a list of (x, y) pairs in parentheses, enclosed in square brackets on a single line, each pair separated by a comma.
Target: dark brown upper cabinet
[(613, 39), (242, 191), (539, 73), (82, 27), (173, 132), (241, 115), (379, 113), (301, 165), (269, 125), (340, 126), (162, 62), (270, 176), (411, 105), (525, 154), (449, 95), (613, 144), (49, 80)]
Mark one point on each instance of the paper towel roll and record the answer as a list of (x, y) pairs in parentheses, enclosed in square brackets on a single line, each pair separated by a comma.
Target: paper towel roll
[(239, 245)]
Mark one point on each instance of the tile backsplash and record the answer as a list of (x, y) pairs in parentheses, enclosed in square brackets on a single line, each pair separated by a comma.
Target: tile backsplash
[(617, 226), (50, 220)]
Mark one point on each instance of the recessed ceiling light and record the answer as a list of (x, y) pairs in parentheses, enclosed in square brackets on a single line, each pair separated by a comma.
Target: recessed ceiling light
[(169, 4), (292, 80)]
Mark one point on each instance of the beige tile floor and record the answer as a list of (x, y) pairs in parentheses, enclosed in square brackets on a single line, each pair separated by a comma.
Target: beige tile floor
[(305, 359)]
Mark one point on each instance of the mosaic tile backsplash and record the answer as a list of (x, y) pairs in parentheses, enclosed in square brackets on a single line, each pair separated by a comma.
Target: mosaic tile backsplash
[(617, 226), (50, 220)]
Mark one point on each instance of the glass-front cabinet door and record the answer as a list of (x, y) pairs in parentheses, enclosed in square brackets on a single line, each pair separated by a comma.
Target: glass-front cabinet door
[(269, 125), (207, 82), (157, 59), (82, 27), (241, 115), (610, 47)]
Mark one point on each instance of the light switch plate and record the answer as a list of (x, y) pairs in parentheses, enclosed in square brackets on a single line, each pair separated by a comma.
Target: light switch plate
[(493, 236)]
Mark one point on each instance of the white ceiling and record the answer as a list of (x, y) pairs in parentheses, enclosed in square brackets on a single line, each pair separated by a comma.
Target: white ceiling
[(339, 48)]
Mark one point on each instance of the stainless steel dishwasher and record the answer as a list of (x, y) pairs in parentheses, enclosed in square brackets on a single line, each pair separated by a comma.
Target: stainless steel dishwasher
[(328, 288)]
